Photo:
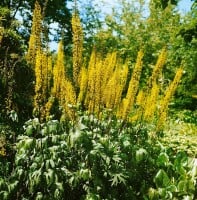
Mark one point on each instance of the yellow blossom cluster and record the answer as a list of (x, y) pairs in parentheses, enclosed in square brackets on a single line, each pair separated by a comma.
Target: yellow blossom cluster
[(157, 68), (151, 103), (35, 37), (58, 73), (168, 95), (100, 84), (69, 100), (43, 73), (133, 87), (148, 97), (62, 89), (77, 46), (83, 84)]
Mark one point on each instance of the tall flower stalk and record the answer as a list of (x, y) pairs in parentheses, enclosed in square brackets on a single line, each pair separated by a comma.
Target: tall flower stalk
[(168, 95), (77, 46), (58, 73), (35, 36), (43, 73), (133, 86)]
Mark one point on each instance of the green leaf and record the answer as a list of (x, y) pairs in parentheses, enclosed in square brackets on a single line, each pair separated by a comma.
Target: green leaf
[(153, 194), (85, 174), (14, 116), (162, 193), (118, 178), (52, 163), (74, 136), (57, 194), (49, 175), (5, 195), (172, 188), (34, 179), (188, 197), (92, 196), (163, 160), (186, 186), (12, 186), (141, 154), (181, 162), (29, 143), (59, 186), (161, 179), (194, 168), (52, 126), (39, 196), (29, 130)]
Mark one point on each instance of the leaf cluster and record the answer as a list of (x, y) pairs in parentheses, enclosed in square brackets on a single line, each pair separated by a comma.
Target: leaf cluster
[(92, 159)]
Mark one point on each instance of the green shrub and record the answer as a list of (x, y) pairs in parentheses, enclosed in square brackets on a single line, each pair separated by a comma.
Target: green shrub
[(92, 159), (177, 177)]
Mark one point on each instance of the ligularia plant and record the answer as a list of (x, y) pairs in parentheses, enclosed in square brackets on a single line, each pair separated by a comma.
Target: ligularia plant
[(102, 84)]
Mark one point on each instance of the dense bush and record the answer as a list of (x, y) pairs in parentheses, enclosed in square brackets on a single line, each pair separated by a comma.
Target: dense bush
[(96, 159)]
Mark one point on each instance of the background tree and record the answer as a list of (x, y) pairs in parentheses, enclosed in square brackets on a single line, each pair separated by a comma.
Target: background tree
[(55, 12), (132, 26), (14, 74)]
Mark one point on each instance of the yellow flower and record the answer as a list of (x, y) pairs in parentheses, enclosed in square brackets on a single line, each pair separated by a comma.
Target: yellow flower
[(158, 68), (68, 99), (38, 83), (83, 84), (114, 87), (165, 101), (89, 99), (151, 103), (140, 98), (58, 73), (77, 46), (133, 85), (35, 37)]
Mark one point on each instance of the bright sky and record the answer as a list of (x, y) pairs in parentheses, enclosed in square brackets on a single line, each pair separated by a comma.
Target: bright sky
[(184, 5)]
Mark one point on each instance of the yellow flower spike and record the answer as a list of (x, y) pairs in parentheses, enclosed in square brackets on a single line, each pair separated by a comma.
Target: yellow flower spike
[(48, 107), (58, 72), (38, 83), (151, 103), (69, 99), (140, 98), (41, 84), (158, 68), (122, 78), (2, 146), (110, 90), (49, 73), (92, 67), (35, 37), (77, 46), (109, 67), (83, 84), (121, 109), (133, 85), (165, 101), (113, 90), (98, 87)]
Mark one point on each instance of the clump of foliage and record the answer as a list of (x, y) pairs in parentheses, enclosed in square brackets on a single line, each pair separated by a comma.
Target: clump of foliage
[(96, 159)]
